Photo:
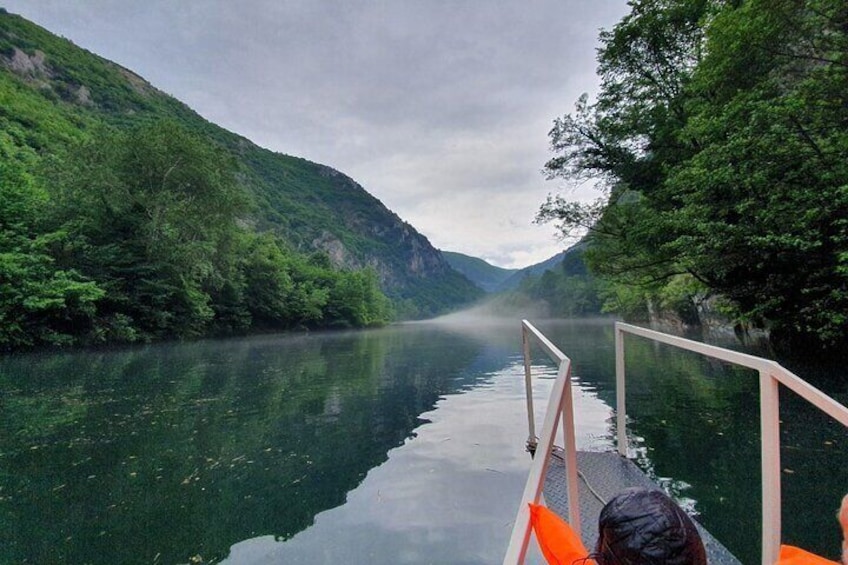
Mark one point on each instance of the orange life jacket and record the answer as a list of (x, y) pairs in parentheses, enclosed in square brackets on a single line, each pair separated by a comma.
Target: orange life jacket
[(561, 545), (790, 555)]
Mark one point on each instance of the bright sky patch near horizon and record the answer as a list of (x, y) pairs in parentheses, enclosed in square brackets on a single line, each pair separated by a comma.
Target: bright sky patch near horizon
[(439, 108)]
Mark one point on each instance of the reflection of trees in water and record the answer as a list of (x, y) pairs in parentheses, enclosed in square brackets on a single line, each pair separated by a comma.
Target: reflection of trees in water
[(699, 420), (179, 449), (815, 475), (183, 449)]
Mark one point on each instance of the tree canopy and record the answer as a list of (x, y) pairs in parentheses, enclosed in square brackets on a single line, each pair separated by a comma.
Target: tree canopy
[(139, 234), (719, 140), (124, 215)]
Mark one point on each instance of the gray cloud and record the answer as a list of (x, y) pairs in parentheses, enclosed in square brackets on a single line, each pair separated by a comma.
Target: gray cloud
[(438, 108)]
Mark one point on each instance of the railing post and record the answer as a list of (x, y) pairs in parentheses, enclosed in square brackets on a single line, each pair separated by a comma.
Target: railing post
[(520, 537), (770, 430), (528, 387), (621, 413), (569, 438)]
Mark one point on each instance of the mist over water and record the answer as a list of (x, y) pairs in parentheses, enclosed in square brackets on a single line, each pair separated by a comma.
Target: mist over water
[(494, 312)]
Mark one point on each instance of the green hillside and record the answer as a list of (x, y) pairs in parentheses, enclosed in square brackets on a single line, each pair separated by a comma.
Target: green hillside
[(561, 286), (229, 236), (486, 276)]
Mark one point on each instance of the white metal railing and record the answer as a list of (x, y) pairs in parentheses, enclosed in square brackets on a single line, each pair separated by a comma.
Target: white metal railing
[(771, 375), (560, 403)]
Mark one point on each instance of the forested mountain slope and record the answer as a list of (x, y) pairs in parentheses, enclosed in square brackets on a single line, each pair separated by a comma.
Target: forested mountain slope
[(483, 274), (89, 229), (552, 264)]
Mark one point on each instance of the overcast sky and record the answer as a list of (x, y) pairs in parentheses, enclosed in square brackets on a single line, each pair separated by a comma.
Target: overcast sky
[(440, 109)]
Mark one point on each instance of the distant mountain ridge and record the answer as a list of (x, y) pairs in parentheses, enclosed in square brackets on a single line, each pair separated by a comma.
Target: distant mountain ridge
[(560, 286), (58, 93), (485, 275), (494, 279), (551, 264)]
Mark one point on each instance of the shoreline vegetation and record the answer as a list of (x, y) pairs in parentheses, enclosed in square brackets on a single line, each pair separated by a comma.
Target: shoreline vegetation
[(136, 236), (718, 144), (125, 217)]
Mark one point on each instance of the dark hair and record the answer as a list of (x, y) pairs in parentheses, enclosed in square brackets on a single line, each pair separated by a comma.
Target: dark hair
[(645, 527)]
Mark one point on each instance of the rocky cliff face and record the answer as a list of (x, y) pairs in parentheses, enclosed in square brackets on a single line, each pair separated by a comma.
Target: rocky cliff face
[(418, 256), (364, 233)]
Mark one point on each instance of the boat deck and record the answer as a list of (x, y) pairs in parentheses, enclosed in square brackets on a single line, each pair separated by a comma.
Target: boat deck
[(602, 475)]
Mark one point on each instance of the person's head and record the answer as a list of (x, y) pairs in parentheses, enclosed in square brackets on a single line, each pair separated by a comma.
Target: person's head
[(645, 527)]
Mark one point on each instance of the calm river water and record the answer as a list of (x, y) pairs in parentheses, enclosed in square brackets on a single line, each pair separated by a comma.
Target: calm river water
[(398, 445)]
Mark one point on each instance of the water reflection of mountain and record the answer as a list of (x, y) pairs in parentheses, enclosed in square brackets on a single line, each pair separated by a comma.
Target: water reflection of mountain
[(183, 449), (187, 449)]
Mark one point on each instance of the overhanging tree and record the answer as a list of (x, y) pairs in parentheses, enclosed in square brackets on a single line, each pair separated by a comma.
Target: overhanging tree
[(627, 141), (766, 196), (40, 302), (720, 137)]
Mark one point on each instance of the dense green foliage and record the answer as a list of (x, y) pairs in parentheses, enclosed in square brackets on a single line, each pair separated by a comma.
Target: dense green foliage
[(720, 142), (138, 238), (126, 216), (306, 203), (39, 300), (114, 229)]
